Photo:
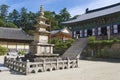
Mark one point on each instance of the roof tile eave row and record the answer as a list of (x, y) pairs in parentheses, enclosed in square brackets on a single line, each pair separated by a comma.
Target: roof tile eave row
[(94, 15)]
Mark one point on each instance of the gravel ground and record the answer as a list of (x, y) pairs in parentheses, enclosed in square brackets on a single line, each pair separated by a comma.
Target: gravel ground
[(88, 70)]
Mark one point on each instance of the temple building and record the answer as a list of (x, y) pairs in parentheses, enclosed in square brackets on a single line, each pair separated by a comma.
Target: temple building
[(62, 34), (15, 39), (103, 21)]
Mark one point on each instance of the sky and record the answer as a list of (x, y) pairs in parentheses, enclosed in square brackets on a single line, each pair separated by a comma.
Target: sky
[(74, 7)]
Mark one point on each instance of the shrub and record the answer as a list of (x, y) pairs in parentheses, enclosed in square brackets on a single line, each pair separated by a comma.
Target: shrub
[(92, 38), (21, 52), (3, 50)]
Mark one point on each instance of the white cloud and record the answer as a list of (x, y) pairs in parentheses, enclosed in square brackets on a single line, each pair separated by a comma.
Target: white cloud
[(77, 10)]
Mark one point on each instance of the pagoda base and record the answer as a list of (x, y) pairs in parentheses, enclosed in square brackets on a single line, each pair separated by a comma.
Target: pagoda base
[(40, 57)]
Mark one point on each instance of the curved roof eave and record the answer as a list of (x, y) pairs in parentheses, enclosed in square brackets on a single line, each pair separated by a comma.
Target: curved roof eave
[(94, 14)]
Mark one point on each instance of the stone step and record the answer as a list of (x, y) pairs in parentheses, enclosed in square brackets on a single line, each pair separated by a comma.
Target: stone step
[(75, 49)]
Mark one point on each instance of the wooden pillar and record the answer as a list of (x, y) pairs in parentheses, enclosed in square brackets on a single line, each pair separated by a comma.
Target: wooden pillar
[(108, 32)]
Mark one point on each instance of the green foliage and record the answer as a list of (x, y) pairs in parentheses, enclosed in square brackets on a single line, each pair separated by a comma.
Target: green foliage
[(14, 17), (21, 52), (109, 53), (2, 23), (97, 46), (92, 38), (3, 50), (65, 15), (52, 19), (11, 25), (61, 46)]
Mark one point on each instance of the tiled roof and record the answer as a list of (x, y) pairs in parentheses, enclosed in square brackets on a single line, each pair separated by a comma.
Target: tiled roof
[(96, 13), (61, 30), (14, 34)]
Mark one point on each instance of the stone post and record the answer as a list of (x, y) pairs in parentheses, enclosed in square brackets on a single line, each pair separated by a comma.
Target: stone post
[(44, 65), (27, 67), (57, 64), (77, 62), (68, 63), (5, 59)]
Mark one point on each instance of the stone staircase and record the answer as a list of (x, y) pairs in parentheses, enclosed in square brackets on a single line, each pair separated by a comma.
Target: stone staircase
[(75, 50)]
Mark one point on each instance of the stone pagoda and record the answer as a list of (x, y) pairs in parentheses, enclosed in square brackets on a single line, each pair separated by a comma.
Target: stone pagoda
[(40, 47)]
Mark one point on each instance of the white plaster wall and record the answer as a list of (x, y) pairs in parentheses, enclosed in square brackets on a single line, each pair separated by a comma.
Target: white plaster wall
[(12, 45)]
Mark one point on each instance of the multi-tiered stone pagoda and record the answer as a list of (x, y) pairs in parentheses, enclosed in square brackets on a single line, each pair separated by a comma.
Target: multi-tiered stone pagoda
[(40, 47)]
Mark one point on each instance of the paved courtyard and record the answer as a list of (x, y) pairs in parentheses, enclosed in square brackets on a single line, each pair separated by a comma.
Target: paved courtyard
[(88, 70)]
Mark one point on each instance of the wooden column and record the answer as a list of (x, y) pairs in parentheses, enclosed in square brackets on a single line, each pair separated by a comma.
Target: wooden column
[(108, 32)]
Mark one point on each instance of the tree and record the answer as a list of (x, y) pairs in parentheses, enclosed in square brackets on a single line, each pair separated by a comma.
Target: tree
[(23, 18), (65, 15), (14, 17), (3, 10), (51, 17)]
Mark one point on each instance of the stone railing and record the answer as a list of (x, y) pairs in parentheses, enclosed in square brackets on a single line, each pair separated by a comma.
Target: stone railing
[(36, 67)]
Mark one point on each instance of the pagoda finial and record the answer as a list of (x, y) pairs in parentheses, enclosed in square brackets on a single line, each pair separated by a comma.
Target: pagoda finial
[(41, 11)]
